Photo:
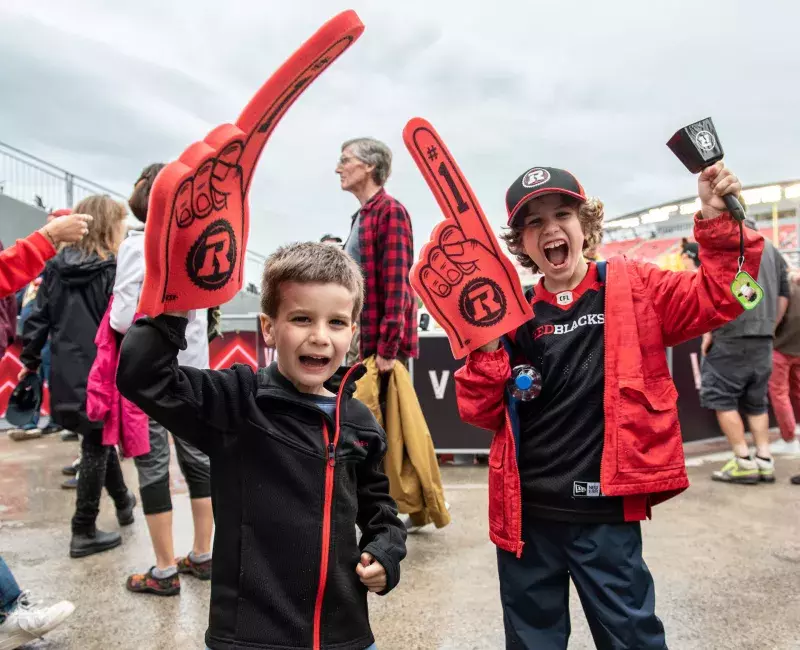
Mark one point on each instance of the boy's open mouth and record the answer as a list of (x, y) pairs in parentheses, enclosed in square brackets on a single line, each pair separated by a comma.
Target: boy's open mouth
[(314, 362), (557, 252)]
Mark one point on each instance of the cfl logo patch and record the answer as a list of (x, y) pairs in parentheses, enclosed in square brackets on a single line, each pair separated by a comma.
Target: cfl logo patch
[(564, 298), (584, 489)]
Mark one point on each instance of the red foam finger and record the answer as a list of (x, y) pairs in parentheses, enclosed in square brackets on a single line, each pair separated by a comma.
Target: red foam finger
[(444, 177), (486, 301), (198, 216), (270, 103)]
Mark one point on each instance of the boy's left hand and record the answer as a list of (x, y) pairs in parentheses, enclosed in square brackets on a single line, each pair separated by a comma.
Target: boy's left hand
[(372, 573), (713, 183)]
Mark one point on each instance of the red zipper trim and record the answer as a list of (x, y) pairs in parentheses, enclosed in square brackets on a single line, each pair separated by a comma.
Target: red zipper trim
[(510, 434), (330, 465)]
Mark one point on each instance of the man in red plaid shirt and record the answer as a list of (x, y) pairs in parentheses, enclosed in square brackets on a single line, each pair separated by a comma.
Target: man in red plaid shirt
[(381, 241)]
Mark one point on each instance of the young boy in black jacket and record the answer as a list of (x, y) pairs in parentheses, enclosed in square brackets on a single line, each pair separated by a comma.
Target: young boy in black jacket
[(295, 461)]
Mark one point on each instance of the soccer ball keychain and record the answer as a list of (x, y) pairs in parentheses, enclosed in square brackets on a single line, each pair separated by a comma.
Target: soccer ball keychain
[(697, 146)]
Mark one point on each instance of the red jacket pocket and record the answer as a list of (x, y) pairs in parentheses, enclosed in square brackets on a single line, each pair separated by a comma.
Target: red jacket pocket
[(649, 432)]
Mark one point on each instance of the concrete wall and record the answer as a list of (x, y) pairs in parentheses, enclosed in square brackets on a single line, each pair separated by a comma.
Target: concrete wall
[(18, 220)]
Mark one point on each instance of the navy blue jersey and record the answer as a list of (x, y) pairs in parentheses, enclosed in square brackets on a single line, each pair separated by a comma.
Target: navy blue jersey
[(561, 430)]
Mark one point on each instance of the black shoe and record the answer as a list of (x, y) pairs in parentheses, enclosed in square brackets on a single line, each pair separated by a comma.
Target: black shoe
[(86, 544), (67, 436), (51, 428), (795, 480), (125, 515), (70, 483), (70, 470)]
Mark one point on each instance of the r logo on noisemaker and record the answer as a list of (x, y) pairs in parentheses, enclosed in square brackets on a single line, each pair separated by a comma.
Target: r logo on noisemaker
[(705, 140)]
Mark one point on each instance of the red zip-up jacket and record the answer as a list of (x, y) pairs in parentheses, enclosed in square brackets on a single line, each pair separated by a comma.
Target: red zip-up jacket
[(647, 310), (23, 262)]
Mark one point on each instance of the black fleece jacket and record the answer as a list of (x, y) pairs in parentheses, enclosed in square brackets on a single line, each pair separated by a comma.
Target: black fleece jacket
[(277, 490)]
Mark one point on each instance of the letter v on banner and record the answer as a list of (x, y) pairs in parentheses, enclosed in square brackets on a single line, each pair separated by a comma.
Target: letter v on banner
[(439, 385)]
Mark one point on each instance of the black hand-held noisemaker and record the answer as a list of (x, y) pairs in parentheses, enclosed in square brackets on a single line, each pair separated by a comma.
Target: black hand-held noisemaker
[(697, 147)]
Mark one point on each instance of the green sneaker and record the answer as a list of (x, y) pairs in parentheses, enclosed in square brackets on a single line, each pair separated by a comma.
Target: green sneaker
[(766, 470), (738, 470)]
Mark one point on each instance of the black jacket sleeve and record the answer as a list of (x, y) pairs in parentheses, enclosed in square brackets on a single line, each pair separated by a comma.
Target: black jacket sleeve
[(37, 325), (199, 406), (383, 535)]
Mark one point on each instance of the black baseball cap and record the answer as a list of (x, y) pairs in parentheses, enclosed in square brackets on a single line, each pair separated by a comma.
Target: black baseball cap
[(25, 400), (329, 237), (538, 181)]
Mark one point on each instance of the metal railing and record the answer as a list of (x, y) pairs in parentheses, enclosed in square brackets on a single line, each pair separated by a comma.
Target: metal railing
[(32, 180)]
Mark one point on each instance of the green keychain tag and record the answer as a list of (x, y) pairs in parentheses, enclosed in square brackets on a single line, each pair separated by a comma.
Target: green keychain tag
[(747, 291)]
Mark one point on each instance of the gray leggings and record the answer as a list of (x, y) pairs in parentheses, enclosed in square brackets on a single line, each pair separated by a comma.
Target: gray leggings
[(153, 470)]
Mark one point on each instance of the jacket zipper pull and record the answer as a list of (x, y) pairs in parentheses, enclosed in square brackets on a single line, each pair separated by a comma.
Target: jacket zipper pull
[(331, 454)]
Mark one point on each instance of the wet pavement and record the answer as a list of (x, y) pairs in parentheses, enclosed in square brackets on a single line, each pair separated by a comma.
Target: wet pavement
[(726, 561)]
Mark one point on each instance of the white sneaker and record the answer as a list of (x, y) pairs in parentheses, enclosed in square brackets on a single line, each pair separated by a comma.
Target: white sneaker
[(29, 621), (783, 448), (18, 435)]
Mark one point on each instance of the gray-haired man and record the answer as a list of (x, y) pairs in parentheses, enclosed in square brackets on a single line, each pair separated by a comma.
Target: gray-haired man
[(381, 242)]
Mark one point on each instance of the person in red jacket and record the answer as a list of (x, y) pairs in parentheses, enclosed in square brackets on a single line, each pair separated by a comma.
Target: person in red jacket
[(26, 259), (574, 470)]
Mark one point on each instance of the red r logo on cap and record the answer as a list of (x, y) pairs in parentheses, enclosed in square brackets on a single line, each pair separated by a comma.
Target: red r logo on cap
[(535, 176)]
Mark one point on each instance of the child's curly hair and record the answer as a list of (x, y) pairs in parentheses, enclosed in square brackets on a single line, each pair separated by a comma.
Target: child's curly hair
[(590, 214)]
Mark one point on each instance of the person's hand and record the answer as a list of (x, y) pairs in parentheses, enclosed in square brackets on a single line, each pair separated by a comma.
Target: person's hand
[(466, 282), (372, 573), (712, 184), (384, 365), (24, 373), (198, 216), (705, 346), (69, 229), (491, 346)]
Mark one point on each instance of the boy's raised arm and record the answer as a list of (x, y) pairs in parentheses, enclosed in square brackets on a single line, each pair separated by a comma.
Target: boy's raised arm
[(196, 405), (690, 304)]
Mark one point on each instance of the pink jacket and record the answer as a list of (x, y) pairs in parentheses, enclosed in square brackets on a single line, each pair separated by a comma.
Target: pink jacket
[(125, 423)]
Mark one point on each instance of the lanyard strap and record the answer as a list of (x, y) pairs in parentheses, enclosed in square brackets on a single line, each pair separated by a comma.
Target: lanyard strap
[(741, 246)]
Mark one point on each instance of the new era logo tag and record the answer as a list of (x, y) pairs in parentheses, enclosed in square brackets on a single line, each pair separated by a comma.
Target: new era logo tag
[(583, 489)]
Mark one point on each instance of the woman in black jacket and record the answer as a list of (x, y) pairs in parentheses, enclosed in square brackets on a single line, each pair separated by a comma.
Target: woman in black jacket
[(70, 304)]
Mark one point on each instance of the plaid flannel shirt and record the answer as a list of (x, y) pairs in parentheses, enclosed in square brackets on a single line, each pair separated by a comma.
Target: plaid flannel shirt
[(389, 319)]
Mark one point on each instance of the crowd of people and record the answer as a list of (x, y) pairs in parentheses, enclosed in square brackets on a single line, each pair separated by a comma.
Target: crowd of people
[(342, 316)]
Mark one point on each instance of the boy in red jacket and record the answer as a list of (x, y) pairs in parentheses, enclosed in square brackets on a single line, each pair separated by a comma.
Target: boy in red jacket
[(573, 471)]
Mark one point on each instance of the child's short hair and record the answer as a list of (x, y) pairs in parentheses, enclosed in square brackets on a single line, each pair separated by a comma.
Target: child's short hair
[(310, 262), (590, 214)]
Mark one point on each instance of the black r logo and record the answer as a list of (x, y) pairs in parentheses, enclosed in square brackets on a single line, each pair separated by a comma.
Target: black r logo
[(212, 257), (482, 302)]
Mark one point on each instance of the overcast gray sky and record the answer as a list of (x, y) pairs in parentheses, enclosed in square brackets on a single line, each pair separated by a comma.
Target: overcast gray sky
[(103, 88)]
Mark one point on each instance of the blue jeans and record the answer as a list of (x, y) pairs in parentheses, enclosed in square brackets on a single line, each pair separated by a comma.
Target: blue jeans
[(9, 590)]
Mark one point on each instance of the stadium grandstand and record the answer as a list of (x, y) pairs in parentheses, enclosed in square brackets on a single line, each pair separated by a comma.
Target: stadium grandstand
[(655, 234)]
